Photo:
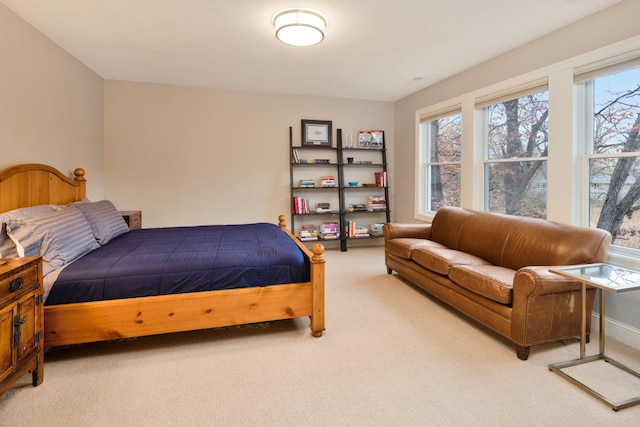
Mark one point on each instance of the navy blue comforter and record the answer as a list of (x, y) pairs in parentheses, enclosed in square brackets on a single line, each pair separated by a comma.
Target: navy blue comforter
[(159, 261)]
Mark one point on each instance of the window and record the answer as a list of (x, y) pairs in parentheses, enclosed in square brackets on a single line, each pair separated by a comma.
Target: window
[(611, 116), (441, 153), (516, 145)]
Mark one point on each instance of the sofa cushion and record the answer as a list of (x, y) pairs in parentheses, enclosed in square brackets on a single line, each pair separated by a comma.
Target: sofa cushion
[(404, 246), (440, 260), (490, 281)]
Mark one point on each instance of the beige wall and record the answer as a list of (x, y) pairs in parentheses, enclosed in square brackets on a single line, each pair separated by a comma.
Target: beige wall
[(189, 156), (51, 105)]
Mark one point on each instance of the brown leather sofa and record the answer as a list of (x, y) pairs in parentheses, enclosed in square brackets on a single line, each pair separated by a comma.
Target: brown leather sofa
[(495, 269)]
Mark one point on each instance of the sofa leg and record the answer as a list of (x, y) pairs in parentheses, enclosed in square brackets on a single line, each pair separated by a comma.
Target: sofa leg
[(522, 352), (389, 271)]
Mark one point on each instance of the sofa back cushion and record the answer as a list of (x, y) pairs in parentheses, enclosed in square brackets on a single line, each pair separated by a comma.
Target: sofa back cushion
[(515, 242), (446, 225)]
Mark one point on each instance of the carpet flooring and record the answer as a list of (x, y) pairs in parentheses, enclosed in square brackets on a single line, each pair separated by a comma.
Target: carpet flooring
[(390, 356)]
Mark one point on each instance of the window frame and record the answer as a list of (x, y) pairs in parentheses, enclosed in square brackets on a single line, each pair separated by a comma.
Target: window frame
[(481, 107), (583, 82), (423, 158)]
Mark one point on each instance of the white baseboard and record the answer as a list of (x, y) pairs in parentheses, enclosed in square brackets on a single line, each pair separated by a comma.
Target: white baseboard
[(619, 331)]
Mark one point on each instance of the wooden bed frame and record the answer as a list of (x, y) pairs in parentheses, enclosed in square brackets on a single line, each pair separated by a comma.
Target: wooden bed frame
[(36, 184)]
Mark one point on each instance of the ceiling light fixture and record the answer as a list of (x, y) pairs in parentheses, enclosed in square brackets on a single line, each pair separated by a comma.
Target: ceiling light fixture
[(299, 27)]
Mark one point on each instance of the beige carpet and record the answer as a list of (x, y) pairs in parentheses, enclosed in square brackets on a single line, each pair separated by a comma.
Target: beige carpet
[(391, 356)]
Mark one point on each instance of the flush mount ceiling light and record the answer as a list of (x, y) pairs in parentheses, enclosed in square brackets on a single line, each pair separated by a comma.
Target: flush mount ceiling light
[(299, 27)]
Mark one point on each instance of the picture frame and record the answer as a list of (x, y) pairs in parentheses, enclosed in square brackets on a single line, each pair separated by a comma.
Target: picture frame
[(316, 133)]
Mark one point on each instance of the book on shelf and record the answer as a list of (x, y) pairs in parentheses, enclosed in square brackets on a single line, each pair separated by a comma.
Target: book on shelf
[(308, 232), (307, 183), (327, 181), (381, 179), (300, 205), (360, 232), (294, 156), (329, 231), (376, 204), (354, 231)]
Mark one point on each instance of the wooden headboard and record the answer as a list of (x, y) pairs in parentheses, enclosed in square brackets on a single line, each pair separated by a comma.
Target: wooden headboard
[(35, 184)]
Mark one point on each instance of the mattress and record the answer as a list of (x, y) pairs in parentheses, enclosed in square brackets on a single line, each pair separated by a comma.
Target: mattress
[(161, 261)]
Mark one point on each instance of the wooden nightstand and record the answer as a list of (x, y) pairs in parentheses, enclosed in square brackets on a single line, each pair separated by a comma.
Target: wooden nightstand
[(133, 219), (21, 320)]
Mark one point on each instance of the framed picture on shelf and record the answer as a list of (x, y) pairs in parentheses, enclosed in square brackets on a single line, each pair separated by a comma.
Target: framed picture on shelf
[(316, 133), (370, 139)]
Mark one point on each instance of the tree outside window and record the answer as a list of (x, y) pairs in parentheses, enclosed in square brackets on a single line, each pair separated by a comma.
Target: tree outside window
[(516, 152), (613, 125), (442, 139)]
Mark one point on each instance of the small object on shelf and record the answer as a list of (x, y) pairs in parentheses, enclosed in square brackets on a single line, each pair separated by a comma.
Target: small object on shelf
[(328, 181), (357, 207), (369, 185), (303, 161), (322, 161), (307, 183), (365, 162), (350, 160), (376, 229), (323, 207), (353, 183)]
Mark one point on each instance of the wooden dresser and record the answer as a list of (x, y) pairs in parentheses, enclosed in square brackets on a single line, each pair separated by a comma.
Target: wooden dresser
[(21, 320)]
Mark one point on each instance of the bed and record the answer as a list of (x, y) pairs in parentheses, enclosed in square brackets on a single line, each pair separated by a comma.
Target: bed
[(68, 323)]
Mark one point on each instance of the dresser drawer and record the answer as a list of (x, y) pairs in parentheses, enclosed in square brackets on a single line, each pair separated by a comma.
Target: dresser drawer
[(19, 282)]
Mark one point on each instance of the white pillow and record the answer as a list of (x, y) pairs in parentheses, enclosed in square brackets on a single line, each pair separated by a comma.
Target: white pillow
[(60, 236), (7, 246), (105, 220)]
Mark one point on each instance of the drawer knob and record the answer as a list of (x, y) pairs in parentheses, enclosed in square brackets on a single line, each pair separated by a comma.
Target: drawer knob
[(16, 284)]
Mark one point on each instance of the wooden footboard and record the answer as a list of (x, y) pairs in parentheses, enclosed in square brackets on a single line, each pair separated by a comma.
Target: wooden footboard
[(136, 317)]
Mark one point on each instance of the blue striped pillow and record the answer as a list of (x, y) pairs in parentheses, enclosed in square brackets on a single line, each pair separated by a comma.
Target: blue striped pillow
[(104, 219), (7, 247), (60, 236)]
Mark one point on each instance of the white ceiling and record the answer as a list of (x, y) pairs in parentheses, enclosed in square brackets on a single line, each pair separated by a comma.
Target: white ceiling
[(374, 49)]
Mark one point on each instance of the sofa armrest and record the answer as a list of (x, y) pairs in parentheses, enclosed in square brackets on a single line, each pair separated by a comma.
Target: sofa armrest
[(416, 231), (546, 306), (538, 280)]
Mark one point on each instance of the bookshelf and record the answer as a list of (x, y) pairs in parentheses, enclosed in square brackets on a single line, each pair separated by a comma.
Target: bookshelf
[(352, 206), (365, 189), (315, 192)]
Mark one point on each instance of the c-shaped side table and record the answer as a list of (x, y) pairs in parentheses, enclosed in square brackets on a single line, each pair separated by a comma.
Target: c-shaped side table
[(605, 277)]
